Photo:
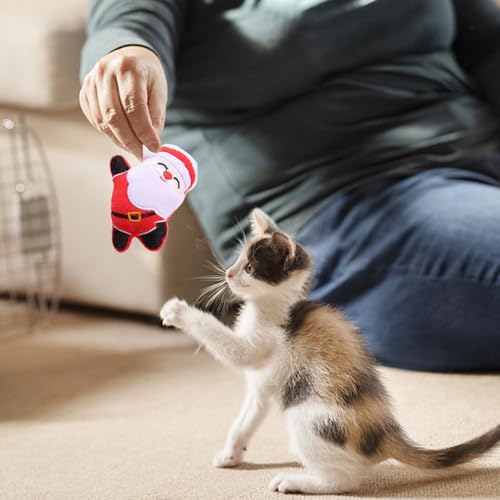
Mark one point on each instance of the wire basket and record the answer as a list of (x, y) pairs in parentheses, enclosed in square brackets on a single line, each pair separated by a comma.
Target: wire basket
[(30, 247)]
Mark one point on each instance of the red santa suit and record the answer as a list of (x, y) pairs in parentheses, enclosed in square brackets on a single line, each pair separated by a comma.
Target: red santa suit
[(125, 216), (150, 226)]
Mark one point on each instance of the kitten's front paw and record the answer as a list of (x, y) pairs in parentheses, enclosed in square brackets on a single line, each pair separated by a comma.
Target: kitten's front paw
[(171, 313), (226, 458)]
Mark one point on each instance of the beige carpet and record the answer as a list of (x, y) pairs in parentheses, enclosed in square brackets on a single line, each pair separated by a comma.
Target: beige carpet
[(109, 409)]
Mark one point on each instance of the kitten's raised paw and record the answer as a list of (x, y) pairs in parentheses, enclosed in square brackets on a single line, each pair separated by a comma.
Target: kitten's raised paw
[(227, 459), (171, 312)]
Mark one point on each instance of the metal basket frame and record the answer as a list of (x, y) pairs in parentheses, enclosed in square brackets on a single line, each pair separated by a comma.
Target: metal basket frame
[(30, 258)]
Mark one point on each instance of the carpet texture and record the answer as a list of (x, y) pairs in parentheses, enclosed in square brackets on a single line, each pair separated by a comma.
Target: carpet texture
[(109, 409)]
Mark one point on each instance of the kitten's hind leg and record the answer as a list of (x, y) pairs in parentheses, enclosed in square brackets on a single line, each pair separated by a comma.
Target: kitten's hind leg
[(251, 415), (311, 482), (329, 466)]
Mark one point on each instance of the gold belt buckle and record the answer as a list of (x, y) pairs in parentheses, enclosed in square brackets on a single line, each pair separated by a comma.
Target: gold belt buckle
[(134, 216)]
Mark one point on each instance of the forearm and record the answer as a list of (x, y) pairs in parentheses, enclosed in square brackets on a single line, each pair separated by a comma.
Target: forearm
[(155, 24)]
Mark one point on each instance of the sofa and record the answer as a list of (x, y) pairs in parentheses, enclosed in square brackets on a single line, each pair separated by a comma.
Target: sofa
[(41, 83)]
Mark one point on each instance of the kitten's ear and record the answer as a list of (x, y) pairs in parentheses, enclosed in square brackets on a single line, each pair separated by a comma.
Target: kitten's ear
[(261, 223), (286, 245)]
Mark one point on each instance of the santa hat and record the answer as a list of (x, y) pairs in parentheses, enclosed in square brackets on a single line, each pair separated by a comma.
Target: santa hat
[(180, 160)]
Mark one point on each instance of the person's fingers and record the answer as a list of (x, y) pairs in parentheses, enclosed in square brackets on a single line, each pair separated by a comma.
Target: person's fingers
[(157, 104), (96, 117), (134, 98), (125, 97), (84, 104), (114, 116)]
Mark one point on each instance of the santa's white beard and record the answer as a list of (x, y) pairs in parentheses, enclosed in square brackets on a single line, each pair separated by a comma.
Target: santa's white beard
[(148, 191)]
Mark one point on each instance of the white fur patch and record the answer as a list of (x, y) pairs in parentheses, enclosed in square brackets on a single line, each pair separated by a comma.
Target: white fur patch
[(148, 189)]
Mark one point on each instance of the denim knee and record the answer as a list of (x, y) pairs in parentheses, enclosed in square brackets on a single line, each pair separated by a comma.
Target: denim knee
[(422, 323)]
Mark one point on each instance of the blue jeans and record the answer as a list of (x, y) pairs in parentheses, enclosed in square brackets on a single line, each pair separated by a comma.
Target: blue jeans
[(415, 263)]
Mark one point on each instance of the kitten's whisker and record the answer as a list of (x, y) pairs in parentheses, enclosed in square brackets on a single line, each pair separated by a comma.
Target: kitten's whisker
[(217, 292), (198, 349), (216, 267), (209, 278), (216, 296), (243, 232), (212, 295), (213, 287), (242, 241), (226, 300)]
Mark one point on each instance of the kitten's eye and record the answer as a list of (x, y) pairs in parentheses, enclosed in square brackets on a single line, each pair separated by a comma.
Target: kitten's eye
[(248, 268)]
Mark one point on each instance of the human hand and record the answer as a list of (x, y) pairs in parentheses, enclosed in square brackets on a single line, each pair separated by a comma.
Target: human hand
[(124, 96)]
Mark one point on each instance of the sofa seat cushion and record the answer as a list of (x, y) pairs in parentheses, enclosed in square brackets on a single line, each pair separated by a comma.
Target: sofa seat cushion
[(40, 52)]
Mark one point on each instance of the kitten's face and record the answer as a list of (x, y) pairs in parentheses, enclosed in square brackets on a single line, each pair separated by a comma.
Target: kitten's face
[(271, 262)]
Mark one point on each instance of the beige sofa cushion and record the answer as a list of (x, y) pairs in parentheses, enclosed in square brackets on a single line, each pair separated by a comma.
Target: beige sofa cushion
[(40, 52)]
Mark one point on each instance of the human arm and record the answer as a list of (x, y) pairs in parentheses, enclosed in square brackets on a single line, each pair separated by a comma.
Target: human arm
[(126, 62), (477, 45)]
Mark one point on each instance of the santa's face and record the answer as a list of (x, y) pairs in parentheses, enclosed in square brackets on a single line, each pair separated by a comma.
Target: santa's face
[(156, 185)]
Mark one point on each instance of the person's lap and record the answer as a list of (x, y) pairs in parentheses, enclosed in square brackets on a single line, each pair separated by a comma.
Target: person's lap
[(415, 263)]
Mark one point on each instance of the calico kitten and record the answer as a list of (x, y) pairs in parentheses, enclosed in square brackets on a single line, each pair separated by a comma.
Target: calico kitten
[(313, 361)]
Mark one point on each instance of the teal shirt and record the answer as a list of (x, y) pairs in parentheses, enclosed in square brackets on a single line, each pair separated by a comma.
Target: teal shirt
[(287, 103)]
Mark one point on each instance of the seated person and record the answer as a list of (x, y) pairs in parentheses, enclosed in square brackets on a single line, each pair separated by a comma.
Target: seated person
[(369, 130)]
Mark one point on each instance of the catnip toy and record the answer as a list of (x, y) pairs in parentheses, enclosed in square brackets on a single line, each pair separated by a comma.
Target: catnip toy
[(146, 196)]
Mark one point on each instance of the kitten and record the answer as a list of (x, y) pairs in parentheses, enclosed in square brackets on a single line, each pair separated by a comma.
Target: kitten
[(313, 361)]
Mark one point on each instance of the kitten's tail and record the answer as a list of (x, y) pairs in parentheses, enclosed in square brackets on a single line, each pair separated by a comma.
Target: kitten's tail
[(403, 449)]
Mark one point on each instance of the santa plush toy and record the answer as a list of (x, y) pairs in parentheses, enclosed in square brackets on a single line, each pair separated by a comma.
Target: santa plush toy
[(146, 196)]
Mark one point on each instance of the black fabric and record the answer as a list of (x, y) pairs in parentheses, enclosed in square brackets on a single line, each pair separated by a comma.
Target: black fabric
[(478, 32), (137, 215), (286, 103), (154, 239), (118, 164), (120, 239), (477, 45)]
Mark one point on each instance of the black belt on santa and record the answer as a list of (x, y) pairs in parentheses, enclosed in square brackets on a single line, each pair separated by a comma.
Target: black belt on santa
[(133, 216)]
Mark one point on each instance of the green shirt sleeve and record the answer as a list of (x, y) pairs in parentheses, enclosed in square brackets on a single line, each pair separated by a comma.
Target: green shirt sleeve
[(155, 24)]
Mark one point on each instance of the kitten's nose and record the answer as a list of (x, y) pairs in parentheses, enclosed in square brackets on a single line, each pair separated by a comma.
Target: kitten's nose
[(229, 273)]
